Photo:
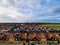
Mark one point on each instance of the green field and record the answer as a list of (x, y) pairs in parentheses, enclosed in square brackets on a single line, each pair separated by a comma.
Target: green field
[(56, 26)]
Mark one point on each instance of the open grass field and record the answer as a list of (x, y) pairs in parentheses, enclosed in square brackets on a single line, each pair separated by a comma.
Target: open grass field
[(55, 26)]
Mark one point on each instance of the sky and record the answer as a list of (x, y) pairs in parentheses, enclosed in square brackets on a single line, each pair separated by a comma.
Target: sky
[(30, 11)]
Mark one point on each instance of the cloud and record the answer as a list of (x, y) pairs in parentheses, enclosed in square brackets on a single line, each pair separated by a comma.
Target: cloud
[(57, 10), (9, 12), (46, 16), (35, 4), (54, 9), (48, 1), (27, 10)]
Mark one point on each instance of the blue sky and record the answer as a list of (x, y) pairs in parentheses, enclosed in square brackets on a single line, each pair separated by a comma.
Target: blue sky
[(30, 11)]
